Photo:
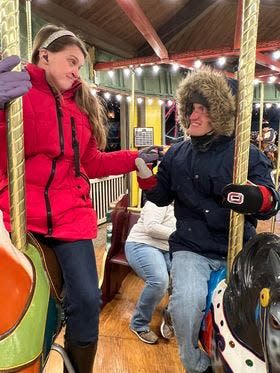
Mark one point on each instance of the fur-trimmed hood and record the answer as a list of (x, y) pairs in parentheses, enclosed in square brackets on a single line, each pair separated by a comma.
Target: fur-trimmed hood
[(213, 86)]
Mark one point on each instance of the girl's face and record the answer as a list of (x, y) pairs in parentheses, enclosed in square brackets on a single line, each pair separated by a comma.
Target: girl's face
[(62, 68)]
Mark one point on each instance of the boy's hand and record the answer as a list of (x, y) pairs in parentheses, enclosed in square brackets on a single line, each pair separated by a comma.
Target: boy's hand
[(247, 199), (146, 179)]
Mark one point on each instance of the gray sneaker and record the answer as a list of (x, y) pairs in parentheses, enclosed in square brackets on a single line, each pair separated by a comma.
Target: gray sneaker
[(166, 328), (147, 336)]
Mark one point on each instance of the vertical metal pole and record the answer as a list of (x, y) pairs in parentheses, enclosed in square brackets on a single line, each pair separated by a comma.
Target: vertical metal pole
[(261, 113), (10, 44), (29, 29), (246, 73), (132, 111), (131, 126), (273, 219)]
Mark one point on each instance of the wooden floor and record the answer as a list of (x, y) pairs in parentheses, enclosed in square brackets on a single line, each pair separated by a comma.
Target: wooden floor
[(119, 350)]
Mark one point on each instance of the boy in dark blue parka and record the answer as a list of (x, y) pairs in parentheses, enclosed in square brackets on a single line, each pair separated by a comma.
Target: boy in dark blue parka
[(197, 174)]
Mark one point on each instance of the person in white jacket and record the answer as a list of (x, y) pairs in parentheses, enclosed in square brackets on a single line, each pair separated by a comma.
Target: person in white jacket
[(147, 252)]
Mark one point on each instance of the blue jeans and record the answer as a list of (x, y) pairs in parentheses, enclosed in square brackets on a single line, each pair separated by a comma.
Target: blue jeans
[(153, 266), (190, 273), (82, 296)]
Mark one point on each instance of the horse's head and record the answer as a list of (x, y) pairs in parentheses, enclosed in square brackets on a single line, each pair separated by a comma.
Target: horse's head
[(252, 298)]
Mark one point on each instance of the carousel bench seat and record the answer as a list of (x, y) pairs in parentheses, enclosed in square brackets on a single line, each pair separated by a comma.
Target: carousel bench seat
[(115, 266)]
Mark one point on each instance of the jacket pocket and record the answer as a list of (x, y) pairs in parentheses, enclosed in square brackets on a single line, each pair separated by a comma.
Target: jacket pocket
[(217, 219)]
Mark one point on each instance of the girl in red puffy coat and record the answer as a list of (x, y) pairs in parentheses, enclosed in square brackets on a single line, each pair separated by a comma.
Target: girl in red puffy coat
[(63, 131)]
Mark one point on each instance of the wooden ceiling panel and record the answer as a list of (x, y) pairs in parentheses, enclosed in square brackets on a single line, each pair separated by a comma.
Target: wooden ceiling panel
[(182, 25), (269, 25), (159, 11), (212, 30)]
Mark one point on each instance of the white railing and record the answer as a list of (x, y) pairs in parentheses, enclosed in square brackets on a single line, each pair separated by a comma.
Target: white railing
[(105, 191)]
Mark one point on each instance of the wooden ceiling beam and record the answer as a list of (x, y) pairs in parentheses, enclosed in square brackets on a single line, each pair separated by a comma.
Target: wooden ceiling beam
[(142, 23), (191, 55), (267, 61), (52, 12), (268, 46), (173, 58)]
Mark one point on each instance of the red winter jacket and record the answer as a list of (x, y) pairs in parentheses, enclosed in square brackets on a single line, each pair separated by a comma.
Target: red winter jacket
[(60, 157)]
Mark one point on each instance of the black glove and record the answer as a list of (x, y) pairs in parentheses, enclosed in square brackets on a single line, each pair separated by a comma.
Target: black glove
[(245, 199)]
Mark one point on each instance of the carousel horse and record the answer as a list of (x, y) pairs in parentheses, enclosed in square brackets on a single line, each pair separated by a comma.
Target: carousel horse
[(30, 306), (241, 329)]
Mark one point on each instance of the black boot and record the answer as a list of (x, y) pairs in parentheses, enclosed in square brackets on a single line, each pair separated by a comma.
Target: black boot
[(209, 370), (81, 357)]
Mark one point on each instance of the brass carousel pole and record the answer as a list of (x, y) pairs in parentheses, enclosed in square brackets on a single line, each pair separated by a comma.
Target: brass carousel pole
[(132, 110), (261, 113), (273, 219), (246, 73), (131, 126), (10, 46), (29, 29)]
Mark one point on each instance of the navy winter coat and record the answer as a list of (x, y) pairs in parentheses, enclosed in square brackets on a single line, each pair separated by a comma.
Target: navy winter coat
[(195, 180)]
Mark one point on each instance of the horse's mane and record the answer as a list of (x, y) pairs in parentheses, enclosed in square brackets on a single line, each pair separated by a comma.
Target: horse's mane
[(256, 267)]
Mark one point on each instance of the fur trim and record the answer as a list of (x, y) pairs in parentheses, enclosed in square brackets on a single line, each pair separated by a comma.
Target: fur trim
[(213, 86)]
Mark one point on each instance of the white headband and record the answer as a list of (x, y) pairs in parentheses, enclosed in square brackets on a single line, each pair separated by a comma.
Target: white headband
[(56, 35)]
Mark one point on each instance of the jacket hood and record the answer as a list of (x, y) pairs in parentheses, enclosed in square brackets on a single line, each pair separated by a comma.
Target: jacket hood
[(211, 87)]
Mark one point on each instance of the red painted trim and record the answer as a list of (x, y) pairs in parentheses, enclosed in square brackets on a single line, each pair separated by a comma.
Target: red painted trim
[(238, 25), (186, 56), (267, 61)]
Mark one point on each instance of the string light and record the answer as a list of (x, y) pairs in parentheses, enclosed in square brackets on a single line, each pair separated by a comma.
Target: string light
[(150, 101), (268, 105), (272, 79), (107, 95), (119, 97), (169, 103), (139, 70), (197, 64), (128, 99), (111, 73), (160, 102), (126, 72), (276, 54), (156, 69), (139, 100), (93, 91), (256, 81), (221, 61), (175, 67)]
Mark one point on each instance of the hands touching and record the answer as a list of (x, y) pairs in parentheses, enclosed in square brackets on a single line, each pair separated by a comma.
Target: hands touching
[(151, 154)]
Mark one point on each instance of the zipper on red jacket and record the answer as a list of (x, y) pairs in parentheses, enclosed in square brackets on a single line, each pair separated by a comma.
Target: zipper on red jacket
[(76, 148), (61, 143)]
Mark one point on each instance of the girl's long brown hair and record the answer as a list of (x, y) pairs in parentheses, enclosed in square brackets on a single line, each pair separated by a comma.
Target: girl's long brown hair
[(88, 103)]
